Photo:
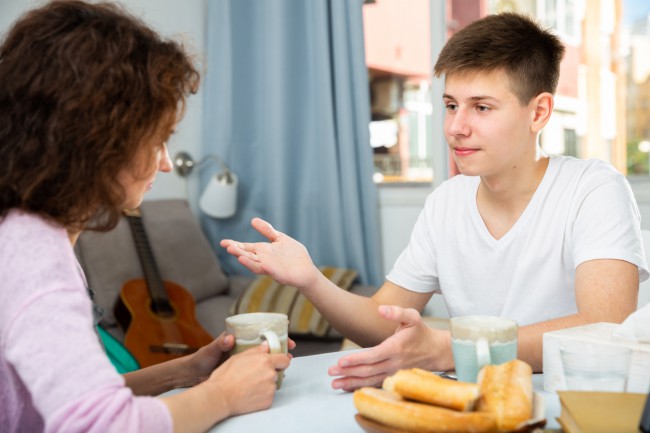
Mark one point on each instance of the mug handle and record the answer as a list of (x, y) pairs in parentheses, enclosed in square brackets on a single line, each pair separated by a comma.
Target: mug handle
[(273, 340), (482, 353)]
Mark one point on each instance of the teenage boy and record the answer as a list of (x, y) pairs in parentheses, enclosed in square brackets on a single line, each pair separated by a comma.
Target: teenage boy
[(552, 242)]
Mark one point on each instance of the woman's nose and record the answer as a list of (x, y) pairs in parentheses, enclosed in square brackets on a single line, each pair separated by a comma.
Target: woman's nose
[(165, 164)]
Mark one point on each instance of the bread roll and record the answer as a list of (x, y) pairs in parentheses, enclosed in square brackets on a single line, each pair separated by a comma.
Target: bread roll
[(392, 410), (427, 387), (507, 393)]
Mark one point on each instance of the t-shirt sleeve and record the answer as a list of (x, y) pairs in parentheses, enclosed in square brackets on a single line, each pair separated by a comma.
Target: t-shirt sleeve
[(416, 267), (607, 222)]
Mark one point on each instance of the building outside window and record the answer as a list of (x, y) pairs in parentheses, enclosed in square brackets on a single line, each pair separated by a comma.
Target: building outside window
[(602, 105)]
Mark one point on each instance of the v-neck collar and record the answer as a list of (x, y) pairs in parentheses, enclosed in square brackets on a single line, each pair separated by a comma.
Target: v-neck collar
[(525, 216)]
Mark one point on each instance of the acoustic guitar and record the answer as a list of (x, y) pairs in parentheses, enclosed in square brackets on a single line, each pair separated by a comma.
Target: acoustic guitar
[(157, 316)]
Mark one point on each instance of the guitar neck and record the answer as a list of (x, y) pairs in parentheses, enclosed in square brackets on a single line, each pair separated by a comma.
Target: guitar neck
[(150, 270)]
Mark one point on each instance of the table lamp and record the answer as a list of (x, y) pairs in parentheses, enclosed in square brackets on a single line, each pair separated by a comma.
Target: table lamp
[(219, 199)]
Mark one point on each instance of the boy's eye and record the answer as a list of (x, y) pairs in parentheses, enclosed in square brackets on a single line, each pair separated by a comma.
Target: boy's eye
[(451, 106), (482, 108)]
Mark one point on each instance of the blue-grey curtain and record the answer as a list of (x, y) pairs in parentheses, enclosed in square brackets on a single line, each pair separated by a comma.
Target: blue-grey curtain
[(287, 108)]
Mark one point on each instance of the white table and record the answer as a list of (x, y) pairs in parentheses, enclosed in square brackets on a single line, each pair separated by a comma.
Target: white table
[(307, 403)]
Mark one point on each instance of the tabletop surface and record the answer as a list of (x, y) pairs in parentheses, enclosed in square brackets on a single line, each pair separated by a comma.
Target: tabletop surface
[(307, 403)]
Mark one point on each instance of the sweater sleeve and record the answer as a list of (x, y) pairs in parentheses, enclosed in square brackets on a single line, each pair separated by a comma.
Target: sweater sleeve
[(56, 353), (49, 341)]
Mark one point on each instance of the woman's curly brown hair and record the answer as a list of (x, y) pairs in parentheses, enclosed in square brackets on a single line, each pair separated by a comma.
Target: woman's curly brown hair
[(82, 87)]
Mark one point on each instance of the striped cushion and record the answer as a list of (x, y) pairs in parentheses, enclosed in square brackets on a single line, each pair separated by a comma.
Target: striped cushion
[(266, 295)]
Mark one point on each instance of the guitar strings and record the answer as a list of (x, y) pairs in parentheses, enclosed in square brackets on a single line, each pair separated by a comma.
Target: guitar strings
[(160, 302)]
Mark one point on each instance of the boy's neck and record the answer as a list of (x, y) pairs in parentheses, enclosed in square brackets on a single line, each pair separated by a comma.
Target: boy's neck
[(502, 199), (519, 183)]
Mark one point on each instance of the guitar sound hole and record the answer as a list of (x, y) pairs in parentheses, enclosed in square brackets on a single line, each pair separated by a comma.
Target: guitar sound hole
[(162, 309)]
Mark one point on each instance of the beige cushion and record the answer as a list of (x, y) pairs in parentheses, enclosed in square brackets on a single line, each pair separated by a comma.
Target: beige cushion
[(180, 249), (266, 295)]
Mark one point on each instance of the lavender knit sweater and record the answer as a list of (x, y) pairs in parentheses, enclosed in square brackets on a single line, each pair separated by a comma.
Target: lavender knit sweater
[(54, 374)]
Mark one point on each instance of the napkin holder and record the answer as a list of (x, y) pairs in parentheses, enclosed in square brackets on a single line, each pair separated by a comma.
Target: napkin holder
[(598, 333)]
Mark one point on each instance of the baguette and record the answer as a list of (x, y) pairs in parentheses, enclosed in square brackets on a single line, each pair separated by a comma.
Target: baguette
[(424, 386), (507, 393), (392, 410)]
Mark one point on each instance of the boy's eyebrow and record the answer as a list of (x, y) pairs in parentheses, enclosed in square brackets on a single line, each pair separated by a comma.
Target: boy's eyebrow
[(471, 98)]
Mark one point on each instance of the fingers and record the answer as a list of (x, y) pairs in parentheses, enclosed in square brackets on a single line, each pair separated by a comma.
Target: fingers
[(226, 341), (249, 379), (359, 371), (370, 356), (403, 316), (351, 383), (238, 249), (265, 229), (263, 347), (280, 361), (246, 254), (252, 265), (367, 368)]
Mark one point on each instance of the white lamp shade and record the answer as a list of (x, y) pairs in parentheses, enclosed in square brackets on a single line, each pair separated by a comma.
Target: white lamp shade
[(219, 200)]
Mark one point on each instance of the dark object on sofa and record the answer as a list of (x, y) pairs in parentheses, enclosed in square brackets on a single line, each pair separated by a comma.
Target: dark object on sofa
[(184, 257)]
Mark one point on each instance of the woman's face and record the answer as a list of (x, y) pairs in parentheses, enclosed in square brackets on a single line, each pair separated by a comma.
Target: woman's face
[(139, 178)]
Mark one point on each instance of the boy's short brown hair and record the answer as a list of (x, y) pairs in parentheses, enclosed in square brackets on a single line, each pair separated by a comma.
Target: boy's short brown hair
[(529, 54)]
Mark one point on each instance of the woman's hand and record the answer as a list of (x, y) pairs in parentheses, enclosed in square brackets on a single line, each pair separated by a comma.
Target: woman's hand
[(283, 258), (246, 381), (414, 344), (243, 383), (180, 372), (202, 363)]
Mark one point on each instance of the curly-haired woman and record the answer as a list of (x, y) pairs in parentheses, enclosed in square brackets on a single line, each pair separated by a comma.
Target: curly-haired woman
[(88, 97)]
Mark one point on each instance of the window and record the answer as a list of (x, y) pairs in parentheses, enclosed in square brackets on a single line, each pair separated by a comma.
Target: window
[(398, 56), (602, 104), (570, 143), (561, 15), (637, 33)]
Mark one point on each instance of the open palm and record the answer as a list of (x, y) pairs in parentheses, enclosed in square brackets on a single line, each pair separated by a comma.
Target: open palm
[(282, 258)]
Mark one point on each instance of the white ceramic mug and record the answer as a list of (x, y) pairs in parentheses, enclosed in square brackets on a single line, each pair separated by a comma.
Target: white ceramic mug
[(251, 329), (477, 341)]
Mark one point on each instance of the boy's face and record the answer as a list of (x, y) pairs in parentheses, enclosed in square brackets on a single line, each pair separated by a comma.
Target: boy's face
[(487, 129)]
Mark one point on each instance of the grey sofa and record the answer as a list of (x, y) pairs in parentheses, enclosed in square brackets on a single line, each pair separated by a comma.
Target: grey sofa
[(184, 256)]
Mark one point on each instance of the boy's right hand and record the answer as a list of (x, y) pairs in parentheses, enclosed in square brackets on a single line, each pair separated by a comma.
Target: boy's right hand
[(282, 258)]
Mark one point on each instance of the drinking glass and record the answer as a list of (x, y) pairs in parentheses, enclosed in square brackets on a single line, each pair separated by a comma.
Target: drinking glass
[(595, 367)]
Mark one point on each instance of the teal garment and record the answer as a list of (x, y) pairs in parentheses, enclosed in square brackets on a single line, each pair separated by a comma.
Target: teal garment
[(119, 355)]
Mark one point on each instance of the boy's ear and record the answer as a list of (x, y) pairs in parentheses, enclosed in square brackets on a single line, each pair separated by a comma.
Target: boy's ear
[(542, 105)]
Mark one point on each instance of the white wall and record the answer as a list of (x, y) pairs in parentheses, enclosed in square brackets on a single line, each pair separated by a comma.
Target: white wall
[(184, 20)]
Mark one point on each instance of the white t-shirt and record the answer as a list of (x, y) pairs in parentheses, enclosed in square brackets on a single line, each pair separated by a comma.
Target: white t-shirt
[(582, 210)]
